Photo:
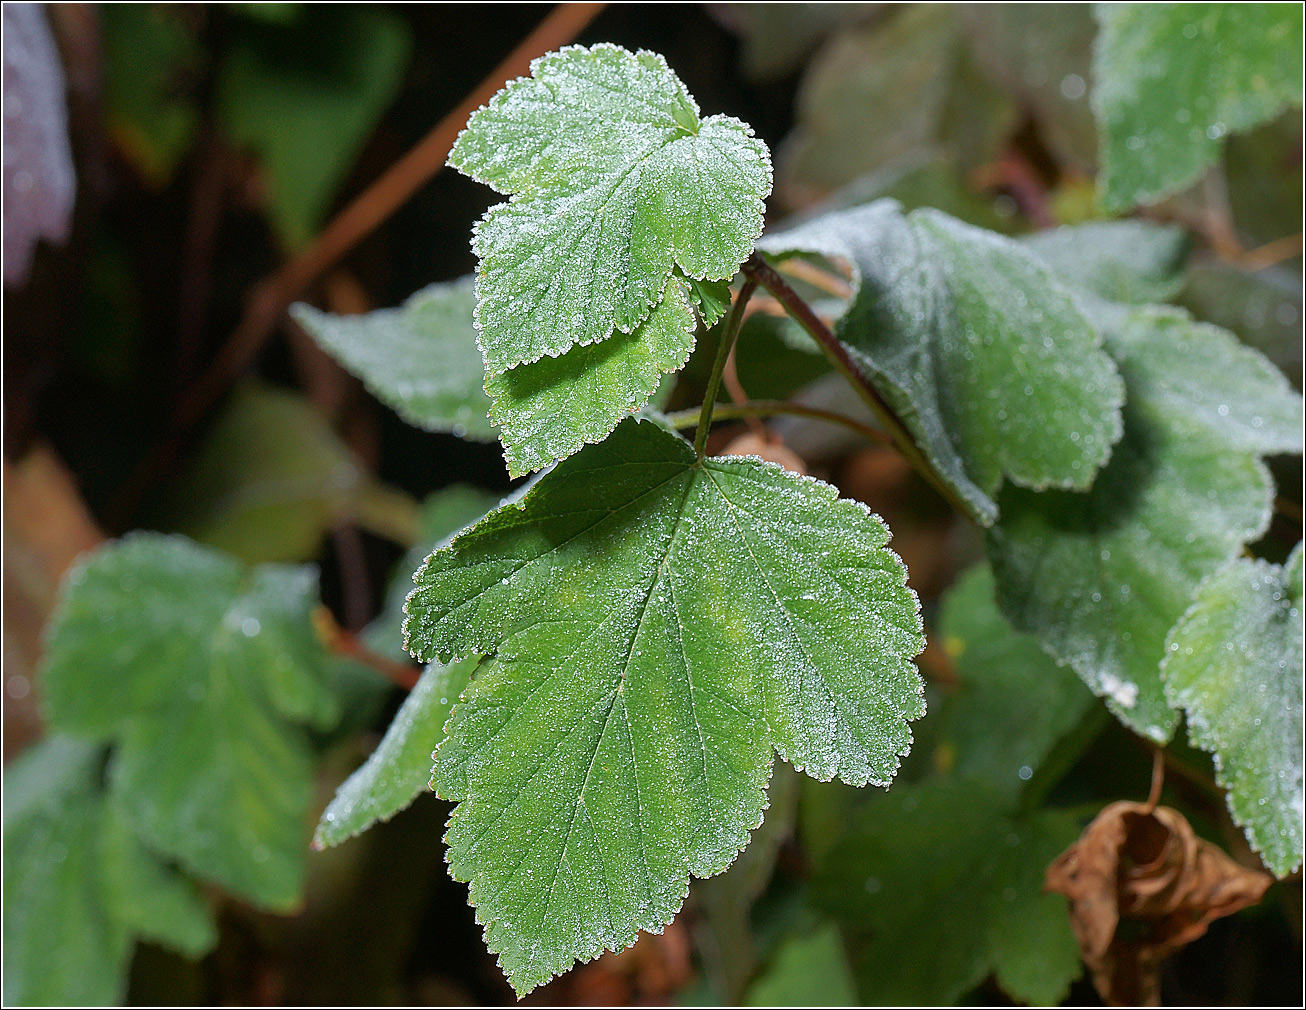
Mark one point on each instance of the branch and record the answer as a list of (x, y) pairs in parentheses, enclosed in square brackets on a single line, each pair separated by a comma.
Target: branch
[(345, 643), (767, 408)]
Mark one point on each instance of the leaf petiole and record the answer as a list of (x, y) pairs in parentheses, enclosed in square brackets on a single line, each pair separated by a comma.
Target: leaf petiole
[(734, 320)]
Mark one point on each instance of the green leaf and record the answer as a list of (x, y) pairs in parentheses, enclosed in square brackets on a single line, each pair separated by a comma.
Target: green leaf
[(1101, 577), (1014, 703), (1233, 664), (900, 84), (400, 767), (550, 408), (806, 971), (1123, 261), (305, 97), (78, 885), (982, 352), (272, 478), (657, 626), (202, 672), (942, 867), (615, 181), (420, 359), (1171, 80)]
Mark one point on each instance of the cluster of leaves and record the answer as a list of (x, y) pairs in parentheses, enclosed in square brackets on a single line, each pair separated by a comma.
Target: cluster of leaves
[(617, 654)]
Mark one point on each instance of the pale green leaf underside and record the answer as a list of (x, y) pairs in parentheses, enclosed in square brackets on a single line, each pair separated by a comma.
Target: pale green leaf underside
[(1013, 702), (400, 767), (1234, 665), (420, 359), (1135, 262), (615, 181), (1172, 80), (979, 347), (944, 867), (79, 887), (201, 671), (656, 626), (1101, 577), (549, 408)]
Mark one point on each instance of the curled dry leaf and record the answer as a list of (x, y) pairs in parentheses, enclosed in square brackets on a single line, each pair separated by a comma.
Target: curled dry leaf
[(773, 451), (1141, 886)]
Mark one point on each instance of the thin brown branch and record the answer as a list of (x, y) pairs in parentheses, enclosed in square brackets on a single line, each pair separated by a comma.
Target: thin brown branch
[(766, 408), (820, 279), (347, 644), (1271, 253)]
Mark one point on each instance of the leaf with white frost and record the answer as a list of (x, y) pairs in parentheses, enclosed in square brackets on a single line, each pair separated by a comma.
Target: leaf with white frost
[(656, 626)]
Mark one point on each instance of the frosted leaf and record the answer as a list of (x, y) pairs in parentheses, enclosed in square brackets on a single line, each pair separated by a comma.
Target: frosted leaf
[(1124, 261), (1233, 663), (983, 352), (420, 359), (657, 626), (202, 671), (1171, 81), (615, 180), (1101, 577)]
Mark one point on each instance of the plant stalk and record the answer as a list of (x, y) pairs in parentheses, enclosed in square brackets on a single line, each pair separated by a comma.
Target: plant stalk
[(768, 408), (734, 320)]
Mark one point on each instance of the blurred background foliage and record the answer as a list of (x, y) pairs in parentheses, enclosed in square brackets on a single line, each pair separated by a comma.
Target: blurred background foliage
[(210, 142)]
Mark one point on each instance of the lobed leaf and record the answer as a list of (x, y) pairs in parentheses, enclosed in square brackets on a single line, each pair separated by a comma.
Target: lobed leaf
[(1172, 80), (655, 625), (420, 359), (1233, 665), (1101, 577), (982, 351), (203, 673)]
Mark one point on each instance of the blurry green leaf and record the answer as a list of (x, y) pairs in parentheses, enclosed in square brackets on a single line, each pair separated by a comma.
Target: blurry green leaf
[(1122, 261), (305, 97), (659, 625), (1264, 308), (549, 408), (774, 38), (421, 359), (1234, 665), (78, 885), (878, 92), (1101, 577), (806, 971), (1263, 171), (1171, 80), (400, 767), (202, 672), (616, 182), (941, 870), (273, 13), (979, 348), (1013, 703), (272, 478), (149, 54)]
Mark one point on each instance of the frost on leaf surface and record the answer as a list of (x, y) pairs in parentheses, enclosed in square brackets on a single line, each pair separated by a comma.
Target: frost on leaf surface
[(977, 345), (946, 865), (1135, 262), (1234, 665), (1170, 81), (420, 359), (656, 627), (79, 887), (615, 180), (1100, 578), (201, 671)]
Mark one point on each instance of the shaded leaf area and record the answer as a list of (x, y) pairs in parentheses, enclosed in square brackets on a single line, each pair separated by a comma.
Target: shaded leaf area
[(1134, 262), (1172, 80), (774, 38), (204, 674), (986, 357), (420, 359), (1141, 886), (306, 101), (617, 181), (1014, 703), (946, 864), (400, 767), (656, 626), (806, 971), (888, 88), (272, 478), (79, 886), (1233, 665), (1101, 577)]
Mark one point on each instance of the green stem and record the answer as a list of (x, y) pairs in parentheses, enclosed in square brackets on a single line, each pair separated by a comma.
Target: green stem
[(757, 269), (734, 321), (767, 408)]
